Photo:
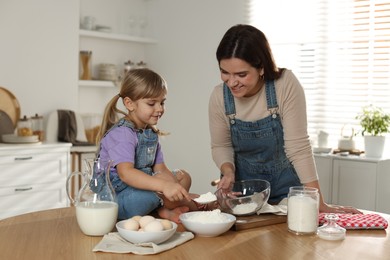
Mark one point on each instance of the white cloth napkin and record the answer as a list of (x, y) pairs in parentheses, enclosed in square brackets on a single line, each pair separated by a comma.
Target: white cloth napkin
[(280, 209), (114, 243)]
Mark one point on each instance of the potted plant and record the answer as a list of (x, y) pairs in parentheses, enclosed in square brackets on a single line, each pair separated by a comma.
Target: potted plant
[(374, 122)]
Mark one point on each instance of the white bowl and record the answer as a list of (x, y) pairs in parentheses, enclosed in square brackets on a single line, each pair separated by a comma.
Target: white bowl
[(137, 237), (204, 228)]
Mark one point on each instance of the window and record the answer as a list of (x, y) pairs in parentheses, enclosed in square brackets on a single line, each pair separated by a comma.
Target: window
[(338, 49)]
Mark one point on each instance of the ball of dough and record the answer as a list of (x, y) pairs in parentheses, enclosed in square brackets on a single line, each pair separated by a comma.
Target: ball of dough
[(143, 221), (166, 224), (154, 226), (131, 224)]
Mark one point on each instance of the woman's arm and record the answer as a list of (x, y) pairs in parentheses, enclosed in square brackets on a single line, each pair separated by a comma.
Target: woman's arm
[(330, 208), (221, 145)]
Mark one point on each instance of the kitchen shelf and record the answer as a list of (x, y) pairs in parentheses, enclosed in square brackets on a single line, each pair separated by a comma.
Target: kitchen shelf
[(114, 36), (97, 83)]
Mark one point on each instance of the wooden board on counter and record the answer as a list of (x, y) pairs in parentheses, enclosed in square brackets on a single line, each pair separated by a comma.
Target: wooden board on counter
[(246, 222)]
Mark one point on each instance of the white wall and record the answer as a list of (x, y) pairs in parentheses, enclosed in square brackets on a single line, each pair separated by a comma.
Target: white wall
[(39, 64), (38, 53), (188, 33)]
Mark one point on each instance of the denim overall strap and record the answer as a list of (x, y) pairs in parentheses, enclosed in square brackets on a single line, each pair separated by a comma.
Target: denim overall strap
[(145, 152), (230, 109), (259, 146)]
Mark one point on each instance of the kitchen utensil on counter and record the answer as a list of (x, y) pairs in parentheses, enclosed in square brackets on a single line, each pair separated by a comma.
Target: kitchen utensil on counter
[(302, 210), (129, 65), (331, 230), (24, 127), (206, 198), (88, 23), (136, 237), (207, 223), (14, 139), (245, 198), (254, 221), (141, 65), (103, 28), (6, 124), (108, 72), (346, 142), (10, 105), (85, 58), (91, 124), (37, 126), (322, 139), (95, 202)]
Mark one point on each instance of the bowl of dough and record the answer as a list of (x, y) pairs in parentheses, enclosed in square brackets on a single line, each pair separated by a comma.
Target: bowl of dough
[(146, 229), (207, 223), (245, 198)]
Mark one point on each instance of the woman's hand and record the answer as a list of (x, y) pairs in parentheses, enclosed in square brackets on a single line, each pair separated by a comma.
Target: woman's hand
[(226, 182), (228, 177), (325, 208)]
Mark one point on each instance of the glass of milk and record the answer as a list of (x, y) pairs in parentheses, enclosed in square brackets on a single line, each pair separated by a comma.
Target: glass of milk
[(302, 210)]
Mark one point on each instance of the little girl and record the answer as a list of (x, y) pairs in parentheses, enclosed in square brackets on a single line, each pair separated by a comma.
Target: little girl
[(141, 180)]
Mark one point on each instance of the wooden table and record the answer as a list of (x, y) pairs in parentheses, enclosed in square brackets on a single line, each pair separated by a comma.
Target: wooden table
[(54, 234)]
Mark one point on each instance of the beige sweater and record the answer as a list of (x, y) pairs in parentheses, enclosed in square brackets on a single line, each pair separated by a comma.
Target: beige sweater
[(292, 109)]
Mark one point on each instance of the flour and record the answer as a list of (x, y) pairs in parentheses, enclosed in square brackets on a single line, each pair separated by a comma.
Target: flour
[(205, 198), (246, 208), (214, 216), (302, 214)]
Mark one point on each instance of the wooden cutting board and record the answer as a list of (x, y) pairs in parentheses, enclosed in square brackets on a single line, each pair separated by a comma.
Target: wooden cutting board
[(246, 222)]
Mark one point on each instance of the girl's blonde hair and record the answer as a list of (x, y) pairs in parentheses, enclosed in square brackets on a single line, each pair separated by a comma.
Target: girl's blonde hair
[(137, 84)]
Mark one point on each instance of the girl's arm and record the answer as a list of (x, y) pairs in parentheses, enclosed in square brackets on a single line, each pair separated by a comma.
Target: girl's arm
[(173, 191), (162, 170)]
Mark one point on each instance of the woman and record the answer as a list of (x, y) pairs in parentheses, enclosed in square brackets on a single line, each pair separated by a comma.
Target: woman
[(257, 119)]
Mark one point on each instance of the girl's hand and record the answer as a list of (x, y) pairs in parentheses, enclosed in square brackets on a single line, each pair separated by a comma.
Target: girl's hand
[(175, 192)]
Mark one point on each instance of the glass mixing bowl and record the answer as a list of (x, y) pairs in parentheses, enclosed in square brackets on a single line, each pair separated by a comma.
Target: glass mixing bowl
[(245, 198)]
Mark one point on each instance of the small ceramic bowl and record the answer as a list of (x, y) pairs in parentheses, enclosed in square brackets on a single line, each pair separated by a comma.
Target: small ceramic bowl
[(204, 223), (137, 237)]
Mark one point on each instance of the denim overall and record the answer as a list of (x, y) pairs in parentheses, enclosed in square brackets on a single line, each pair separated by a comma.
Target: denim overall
[(259, 147), (132, 201)]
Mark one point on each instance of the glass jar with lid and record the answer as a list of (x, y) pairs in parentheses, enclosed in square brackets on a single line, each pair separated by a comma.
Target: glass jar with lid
[(37, 126), (24, 127)]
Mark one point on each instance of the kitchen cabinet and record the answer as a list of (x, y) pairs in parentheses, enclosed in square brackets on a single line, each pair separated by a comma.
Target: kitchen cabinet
[(325, 175), (355, 181), (33, 177)]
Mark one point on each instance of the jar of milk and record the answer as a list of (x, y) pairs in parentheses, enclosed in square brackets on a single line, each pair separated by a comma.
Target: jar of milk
[(96, 204), (302, 210)]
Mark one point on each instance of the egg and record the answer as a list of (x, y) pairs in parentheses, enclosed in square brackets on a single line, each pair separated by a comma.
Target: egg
[(154, 226), (166, 224), (137, 218), (131, 224), (143, 221)]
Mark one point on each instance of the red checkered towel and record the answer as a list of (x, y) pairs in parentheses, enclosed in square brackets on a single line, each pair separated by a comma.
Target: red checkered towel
[(357, 221)]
